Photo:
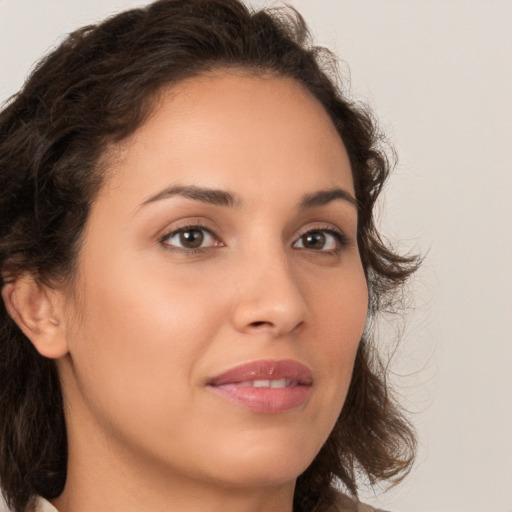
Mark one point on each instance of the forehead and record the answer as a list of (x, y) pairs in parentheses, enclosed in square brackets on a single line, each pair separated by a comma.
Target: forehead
[(237, 129)]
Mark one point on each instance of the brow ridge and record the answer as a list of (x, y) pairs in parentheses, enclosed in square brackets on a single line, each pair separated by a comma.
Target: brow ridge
[(205, 195), (223, 198), (323, 197)]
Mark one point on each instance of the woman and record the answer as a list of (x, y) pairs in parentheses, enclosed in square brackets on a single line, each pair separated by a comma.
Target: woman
[(190, 270)]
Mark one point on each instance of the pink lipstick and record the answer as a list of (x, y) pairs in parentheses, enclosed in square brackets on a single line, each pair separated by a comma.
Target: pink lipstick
[(265, 386)]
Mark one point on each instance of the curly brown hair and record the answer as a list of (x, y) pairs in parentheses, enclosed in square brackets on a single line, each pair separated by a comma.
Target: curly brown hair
[(96, 89)]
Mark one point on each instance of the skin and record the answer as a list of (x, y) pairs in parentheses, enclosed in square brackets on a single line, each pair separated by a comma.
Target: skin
[(146, 322)]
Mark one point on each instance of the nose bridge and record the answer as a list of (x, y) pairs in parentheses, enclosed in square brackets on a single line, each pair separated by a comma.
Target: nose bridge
[(270, 295)]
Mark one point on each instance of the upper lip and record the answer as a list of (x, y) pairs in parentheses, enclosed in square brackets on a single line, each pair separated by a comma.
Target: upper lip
[(265, 370)]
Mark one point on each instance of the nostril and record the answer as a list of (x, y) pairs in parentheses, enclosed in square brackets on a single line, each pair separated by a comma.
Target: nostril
[(258, 324)]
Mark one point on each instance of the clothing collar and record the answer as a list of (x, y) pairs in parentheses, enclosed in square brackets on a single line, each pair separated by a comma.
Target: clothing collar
[(41, 505)]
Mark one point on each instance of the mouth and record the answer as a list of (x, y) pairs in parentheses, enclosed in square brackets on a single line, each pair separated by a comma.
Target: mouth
[(265, 386)]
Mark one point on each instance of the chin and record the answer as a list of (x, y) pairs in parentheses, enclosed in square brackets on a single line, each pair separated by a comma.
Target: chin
[(265, 464)]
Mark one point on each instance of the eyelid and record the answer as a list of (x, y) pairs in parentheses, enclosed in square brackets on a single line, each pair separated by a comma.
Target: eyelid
[(341, 239), (197, 225)]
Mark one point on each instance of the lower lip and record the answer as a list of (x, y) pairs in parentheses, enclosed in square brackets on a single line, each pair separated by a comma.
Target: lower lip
[(265, 400)]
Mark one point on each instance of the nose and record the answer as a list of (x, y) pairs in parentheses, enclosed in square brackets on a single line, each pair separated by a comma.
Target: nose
[(270, 297)]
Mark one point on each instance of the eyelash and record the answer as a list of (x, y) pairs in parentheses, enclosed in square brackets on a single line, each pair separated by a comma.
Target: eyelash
[(340, 238), (184, 229)]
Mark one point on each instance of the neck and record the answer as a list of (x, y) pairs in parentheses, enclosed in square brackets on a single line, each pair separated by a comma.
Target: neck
[(126, 495), (199, 498), (103, 476)]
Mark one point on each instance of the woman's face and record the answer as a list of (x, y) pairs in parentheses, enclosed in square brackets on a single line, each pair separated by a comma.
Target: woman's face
[(220, 296)]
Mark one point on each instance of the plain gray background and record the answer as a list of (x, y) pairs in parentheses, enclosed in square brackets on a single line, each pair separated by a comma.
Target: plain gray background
[(438, 74)]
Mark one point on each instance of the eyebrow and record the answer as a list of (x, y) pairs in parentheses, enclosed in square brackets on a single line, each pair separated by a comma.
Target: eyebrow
[(224, 198), (205, 195), (323, 197)]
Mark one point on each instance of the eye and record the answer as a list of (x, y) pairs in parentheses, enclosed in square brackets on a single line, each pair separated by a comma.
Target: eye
[(326, 240), (191, 238)]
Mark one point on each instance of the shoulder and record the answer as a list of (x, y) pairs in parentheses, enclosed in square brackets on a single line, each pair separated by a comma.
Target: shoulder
[(343, 503), (41, 505)]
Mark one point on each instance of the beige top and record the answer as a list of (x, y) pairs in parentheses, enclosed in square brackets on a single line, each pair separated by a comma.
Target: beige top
[(41, 505)]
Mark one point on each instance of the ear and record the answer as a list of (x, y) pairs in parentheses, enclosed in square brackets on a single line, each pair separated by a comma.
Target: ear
[(39, 312)]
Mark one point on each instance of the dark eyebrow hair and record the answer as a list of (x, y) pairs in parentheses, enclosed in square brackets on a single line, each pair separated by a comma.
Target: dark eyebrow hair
[(205, 195), (223, 198), (324, 197)]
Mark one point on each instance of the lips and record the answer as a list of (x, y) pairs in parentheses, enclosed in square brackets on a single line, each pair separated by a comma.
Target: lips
[(265, 386)]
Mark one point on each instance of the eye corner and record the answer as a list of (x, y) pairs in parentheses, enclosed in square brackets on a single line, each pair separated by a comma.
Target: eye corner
[(191, 239), (325, 240)]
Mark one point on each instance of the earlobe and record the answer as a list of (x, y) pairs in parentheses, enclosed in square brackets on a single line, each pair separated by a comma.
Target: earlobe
[(38, 311)]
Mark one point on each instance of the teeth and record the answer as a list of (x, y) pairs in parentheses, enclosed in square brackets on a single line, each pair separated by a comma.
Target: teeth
[(281, 383), (276, 383), (261, 383)]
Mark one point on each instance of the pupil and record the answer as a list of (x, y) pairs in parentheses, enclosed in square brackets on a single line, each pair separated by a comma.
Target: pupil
[(314, 240), (192, 238)]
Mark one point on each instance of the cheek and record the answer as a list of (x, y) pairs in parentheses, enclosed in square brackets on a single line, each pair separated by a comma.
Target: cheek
[(138, 340), (342, 308)]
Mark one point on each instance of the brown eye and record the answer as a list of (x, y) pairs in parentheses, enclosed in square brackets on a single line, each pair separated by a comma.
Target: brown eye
[(320, 240), (313, 240), (193, 237)]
